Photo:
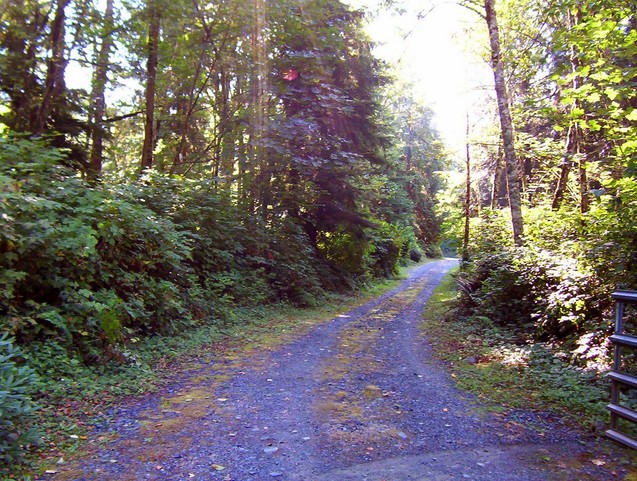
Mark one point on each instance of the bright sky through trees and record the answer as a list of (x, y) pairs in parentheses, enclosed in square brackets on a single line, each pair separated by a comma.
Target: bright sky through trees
[(428, 48)]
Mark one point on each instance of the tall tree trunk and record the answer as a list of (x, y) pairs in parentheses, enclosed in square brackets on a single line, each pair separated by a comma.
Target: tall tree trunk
[(506, 124), (581, 158), (583, 185), (262, 187), (100, 79), (409, 148), (151, 78), (227, 133), (467, 200), (54, 84)]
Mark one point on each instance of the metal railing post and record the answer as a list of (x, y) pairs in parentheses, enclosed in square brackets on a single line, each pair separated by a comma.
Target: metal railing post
[(621, 340)]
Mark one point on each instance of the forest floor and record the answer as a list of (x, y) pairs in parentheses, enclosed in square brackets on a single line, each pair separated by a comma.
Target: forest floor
[(360, 397)]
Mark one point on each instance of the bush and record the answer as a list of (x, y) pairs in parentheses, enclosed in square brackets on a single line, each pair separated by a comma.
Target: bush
[(555, 289), (415, 254), (83, 264), (16, 407), (388, 243)]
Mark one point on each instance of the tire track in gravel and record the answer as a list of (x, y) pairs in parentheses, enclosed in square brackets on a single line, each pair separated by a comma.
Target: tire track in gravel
[(357, 398)]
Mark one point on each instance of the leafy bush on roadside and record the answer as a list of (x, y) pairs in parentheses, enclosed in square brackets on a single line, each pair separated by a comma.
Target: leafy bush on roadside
[(82, 264), (90, 266), (16, 407), (553, 289)]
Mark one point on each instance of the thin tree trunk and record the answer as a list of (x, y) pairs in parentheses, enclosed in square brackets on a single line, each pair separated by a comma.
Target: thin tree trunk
[(467, 200), (262, 191), (191, 104), (409, 148), (574, 138), (497, 179), (151, 78), (583, 185), (54, 84), (581, 158), (100, 79), (506, 124), (572, 147)]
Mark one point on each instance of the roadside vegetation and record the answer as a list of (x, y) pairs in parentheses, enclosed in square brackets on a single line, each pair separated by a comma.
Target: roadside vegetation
[(539, 267), (507, 369)]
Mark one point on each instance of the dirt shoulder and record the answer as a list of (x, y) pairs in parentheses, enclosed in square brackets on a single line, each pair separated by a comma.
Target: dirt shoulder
[(360, 397)]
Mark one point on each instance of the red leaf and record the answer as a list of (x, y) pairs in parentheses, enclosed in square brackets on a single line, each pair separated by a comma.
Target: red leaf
[(290, 74)]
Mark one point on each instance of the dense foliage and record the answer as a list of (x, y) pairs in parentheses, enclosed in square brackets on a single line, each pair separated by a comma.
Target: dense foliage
[(16, 406), (91, 266), (572, 77)]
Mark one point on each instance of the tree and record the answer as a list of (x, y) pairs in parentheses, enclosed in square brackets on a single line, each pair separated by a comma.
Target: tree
[(154, 24), (98, 97), (22, 36), (506, 124), (467, 197), (54, 84)]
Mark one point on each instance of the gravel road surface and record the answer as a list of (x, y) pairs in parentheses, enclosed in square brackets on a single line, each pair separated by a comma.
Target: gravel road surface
[(357, 398)]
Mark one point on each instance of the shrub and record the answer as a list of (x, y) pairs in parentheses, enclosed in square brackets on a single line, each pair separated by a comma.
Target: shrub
[(16, 407), (557, 288), (388, 242), (82, 263)]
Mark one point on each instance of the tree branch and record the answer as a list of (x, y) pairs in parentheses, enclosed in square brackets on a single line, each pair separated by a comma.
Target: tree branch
[(117, 118)]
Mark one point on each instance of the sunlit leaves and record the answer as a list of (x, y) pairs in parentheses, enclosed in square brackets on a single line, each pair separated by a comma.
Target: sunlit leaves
[(604, 42)]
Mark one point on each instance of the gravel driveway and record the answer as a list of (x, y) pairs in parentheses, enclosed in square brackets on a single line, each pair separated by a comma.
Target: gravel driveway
[(357, 398)]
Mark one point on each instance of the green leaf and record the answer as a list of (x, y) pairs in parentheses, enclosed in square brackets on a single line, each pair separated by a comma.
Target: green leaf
[(611, 93)]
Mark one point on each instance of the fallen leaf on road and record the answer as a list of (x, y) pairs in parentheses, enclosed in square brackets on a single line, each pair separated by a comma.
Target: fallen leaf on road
[(218, 467), (598, 462)]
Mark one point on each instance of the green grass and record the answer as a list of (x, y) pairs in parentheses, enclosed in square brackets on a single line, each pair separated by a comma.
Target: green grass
[(491, 363)]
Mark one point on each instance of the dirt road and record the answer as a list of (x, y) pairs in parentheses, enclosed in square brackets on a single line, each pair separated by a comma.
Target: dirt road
[(357, 398)]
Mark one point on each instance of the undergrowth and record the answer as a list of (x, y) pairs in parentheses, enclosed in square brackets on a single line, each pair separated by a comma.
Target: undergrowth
[(506, 371)]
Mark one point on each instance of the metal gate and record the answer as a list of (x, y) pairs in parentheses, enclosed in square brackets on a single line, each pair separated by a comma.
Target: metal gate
[(619, 378)]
